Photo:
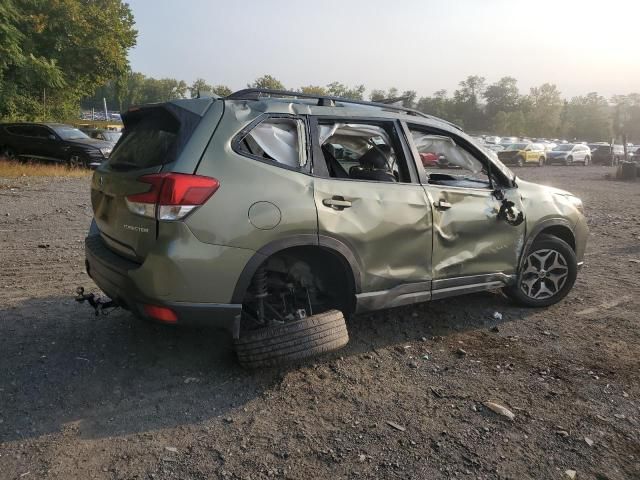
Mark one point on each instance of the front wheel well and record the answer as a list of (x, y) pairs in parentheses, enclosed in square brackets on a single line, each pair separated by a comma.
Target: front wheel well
[(562, 232)]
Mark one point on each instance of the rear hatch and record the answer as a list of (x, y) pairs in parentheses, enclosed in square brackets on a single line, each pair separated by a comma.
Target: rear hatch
[(153, 140)]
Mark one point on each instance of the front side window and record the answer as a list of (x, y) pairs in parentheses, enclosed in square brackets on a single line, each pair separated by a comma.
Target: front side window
[(278, 140), (70, 133), (447, 163), (362, 151)]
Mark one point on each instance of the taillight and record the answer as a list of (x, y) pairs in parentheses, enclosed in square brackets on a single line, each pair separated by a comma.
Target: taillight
[(172, 196)]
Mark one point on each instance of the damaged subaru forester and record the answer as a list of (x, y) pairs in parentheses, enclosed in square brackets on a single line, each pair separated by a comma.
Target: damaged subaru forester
[(277, 214)]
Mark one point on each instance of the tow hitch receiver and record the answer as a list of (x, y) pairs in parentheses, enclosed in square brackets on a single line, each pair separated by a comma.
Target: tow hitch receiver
[(100, 305)]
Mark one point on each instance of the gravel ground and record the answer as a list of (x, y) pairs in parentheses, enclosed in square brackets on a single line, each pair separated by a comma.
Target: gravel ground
[(116, 398)]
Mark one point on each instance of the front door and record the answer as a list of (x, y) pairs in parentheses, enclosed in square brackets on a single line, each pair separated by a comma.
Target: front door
[(477, 234), (368, 199)]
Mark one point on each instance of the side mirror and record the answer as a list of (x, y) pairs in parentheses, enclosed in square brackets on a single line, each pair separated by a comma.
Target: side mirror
[(52, 137)]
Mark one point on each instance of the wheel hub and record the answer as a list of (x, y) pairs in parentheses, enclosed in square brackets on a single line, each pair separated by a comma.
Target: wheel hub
[(544, 274)]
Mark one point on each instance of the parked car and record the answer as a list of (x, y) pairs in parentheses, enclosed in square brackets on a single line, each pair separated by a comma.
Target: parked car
[(569, 154), (522, 153), (604, 154), (494, 147), (492, 139), (102, 134), (508, 140), (232, 212), (52, 142)]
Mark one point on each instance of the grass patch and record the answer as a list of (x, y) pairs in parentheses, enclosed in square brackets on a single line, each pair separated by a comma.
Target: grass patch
[(13, 169)]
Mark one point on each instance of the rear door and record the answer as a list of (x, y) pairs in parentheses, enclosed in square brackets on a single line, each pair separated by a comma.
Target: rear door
[(381, 214), (155, 139)]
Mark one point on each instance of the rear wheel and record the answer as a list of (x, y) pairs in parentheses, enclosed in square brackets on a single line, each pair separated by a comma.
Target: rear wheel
[(293, 308), (547, 274), (280, 344), (519, 161), (541, 161), (77, 161), (8, 153)]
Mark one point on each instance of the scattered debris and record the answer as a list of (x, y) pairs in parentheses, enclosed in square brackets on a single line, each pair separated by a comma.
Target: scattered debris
[(413, 364), (425, 357), (562, 433), (500, 410), (171, 449), (43, 245), (497, 316), (362, 457), (396, 426), (460, 352), (619, 416), (191, 380), (634, 260), (588, 441), (494, 329), (570, 474)]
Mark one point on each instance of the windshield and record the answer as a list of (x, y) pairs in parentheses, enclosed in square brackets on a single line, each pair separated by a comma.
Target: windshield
[(517, 146), (563, 148), (111, 136), (70, 133)]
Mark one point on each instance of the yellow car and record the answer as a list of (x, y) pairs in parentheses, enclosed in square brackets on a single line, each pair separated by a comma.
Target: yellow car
[(522, 153)]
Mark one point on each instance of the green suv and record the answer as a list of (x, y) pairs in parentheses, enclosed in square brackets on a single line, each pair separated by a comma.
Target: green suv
[(276, 214)]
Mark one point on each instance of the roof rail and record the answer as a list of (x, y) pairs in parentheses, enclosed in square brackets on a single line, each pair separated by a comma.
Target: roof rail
[(326, 101)]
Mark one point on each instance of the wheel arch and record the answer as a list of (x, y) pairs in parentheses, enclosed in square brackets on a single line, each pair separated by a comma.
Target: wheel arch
[(558, 227), (314, 245)]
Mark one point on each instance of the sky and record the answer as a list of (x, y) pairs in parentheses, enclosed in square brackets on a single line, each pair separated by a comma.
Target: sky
[(423, 45)]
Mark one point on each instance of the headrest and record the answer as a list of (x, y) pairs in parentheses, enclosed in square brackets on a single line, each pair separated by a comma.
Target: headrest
[(376, 157)]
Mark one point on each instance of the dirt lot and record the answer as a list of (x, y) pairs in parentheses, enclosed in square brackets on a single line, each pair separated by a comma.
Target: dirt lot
[(115, 398)]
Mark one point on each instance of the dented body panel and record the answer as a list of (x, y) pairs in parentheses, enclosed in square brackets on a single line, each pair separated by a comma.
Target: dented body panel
[(468, 236), (389, 229)]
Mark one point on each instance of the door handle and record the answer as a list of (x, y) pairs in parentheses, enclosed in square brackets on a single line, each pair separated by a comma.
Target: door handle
[(336, 202), (442, 205)]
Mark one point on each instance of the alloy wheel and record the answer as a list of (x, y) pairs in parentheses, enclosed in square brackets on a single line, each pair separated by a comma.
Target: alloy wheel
[(545, 273)]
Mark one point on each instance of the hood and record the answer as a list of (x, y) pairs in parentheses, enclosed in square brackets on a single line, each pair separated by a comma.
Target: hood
[(89, 142), (508, 153), (536, 186)]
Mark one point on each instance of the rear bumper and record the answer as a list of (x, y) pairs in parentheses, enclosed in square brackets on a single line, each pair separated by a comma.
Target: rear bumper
[(111, 273)]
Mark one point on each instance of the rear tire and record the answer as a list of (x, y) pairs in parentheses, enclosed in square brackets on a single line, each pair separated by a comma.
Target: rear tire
[(291, 341), (519, 161), (77, 161), (8, 153), (547, 275), (541, 161)]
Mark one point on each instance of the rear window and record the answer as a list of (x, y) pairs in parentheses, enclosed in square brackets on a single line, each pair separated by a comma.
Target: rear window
[(150, 139)]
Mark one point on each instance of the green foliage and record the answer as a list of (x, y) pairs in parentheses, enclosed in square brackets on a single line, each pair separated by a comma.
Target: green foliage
[(338, 89), (267, 81), (60, 50), (313, 90)]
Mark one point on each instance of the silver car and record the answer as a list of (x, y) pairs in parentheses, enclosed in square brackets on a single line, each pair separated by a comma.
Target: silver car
[(569, 154)]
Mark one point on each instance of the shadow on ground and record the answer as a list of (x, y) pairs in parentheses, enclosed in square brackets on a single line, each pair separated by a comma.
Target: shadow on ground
[(61, 368)]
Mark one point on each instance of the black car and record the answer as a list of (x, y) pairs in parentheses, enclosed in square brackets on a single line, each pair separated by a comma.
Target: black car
[(603, 154), (52, 142)]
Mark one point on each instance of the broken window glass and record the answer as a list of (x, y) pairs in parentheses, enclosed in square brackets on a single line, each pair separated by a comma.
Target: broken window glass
[(281, 140)]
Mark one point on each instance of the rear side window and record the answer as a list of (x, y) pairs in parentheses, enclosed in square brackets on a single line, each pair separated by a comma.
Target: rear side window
[(276, 140), (150, 139)]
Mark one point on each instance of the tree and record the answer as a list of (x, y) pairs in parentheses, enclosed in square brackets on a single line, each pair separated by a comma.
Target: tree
[(545, 110), (337, 89), (64, 49), (222, 90), (502, 96), (589, 117), (467, 102), (440, 105), (313, 90), (199, 87), (267, 81)]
